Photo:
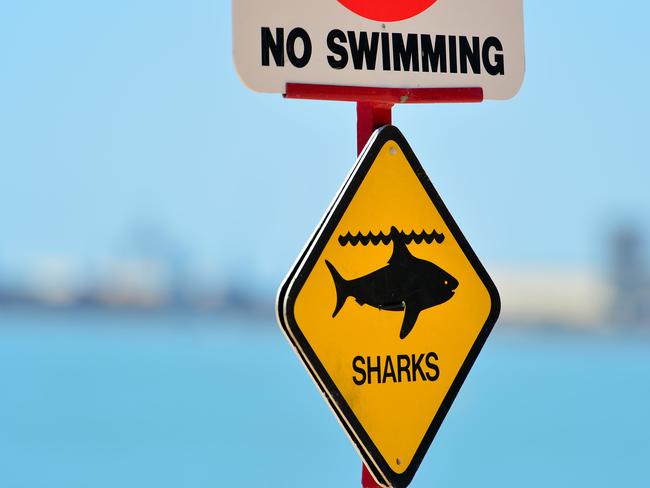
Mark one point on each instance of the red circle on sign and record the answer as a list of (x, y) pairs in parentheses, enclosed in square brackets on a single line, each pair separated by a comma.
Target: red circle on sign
[(387, 10)]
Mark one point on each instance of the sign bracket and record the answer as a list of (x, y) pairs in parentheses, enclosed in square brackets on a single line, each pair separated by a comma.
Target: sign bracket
[(374, 105), (383, 96)]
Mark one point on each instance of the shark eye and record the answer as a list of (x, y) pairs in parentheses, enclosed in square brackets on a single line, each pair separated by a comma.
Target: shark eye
[(446, 282)]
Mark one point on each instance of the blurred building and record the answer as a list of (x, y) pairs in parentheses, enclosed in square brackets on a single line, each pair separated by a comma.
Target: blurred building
[(630, 278), (552, 296)]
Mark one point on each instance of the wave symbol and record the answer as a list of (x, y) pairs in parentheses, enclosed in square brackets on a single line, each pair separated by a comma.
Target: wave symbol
[(381, 238)]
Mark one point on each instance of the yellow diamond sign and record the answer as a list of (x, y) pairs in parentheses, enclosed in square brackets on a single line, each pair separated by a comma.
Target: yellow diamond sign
[(388, 307)]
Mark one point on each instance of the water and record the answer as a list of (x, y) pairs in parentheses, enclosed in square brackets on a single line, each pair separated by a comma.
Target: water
[(144, 401)]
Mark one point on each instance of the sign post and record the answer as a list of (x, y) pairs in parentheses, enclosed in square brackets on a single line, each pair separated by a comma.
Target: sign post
[(387, 306)]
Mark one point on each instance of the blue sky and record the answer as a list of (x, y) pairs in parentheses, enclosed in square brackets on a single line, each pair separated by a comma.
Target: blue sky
[(121, 114)]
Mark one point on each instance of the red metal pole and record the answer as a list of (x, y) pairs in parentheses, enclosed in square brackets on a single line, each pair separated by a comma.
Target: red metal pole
[(367, 481), (370, 116)]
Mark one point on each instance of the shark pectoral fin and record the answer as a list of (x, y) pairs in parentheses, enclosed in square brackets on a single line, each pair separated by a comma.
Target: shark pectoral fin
[(410, 317)]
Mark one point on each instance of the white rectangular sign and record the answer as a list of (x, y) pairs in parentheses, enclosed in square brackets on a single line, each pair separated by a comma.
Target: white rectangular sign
[(438, 44)]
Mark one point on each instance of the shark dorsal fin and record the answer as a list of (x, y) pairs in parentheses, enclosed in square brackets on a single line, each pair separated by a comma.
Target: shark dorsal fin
[(400, 251)]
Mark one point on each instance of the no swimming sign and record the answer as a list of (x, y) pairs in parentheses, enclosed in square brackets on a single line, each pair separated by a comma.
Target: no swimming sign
[(381, 43)]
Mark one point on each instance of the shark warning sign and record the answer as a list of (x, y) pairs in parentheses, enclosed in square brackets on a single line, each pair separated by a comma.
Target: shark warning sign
[(388, 308)]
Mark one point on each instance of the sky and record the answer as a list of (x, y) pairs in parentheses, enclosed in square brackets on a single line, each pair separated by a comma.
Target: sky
[(123, 115)]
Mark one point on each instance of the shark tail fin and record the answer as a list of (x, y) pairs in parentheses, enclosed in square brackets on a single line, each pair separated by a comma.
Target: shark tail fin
[(341, 285)]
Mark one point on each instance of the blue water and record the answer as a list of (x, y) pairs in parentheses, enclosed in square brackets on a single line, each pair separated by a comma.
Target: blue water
[(143, 401)]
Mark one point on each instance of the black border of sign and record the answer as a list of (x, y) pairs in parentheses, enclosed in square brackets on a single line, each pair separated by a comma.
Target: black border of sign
[(299, 274)]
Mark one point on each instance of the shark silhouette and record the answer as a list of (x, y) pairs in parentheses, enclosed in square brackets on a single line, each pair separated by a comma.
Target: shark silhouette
[(406, 284)]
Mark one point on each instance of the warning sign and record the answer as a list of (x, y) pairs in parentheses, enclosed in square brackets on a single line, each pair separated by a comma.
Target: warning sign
[(388, 307)]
